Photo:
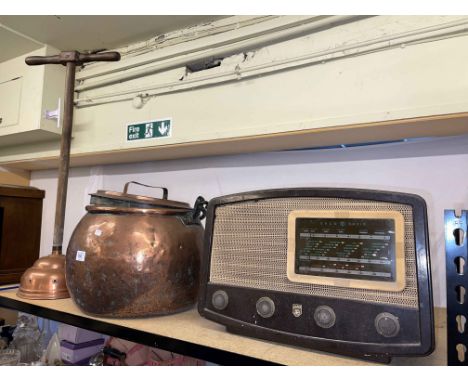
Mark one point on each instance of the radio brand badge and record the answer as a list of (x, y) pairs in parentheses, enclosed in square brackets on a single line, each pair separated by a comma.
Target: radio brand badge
[(297, 310)]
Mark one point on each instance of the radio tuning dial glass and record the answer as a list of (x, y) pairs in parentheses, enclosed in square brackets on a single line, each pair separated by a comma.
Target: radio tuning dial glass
[(354, 249)]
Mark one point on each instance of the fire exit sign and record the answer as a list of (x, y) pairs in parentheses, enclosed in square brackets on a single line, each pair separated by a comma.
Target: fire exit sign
[(159, 128)]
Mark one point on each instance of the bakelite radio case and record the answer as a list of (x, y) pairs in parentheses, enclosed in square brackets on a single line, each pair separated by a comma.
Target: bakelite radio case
[(354, 332)]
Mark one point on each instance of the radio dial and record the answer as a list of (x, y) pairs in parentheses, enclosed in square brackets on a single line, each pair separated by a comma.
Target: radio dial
[(324, 316), (387, 324), (220, 299), (265, 307)]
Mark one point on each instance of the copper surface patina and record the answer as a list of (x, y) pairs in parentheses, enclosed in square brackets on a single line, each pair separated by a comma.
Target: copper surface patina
[(133, 256), (45, 280)]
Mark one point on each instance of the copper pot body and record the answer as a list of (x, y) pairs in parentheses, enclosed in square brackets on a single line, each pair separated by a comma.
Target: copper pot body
[(130, 262)]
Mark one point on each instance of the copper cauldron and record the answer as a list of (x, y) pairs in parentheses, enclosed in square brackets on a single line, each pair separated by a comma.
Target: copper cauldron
[(135, 256)]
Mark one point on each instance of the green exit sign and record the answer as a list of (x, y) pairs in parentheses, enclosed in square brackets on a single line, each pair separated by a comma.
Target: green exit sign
[(159, 128)]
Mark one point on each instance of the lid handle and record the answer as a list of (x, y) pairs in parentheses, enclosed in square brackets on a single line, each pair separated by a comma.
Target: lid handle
[(165, 192), (200, 207)]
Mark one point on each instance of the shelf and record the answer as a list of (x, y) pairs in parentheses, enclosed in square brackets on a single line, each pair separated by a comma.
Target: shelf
[(299, 138), (189, 334)]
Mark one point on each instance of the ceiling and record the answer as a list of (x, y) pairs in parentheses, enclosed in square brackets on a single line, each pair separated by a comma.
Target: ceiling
[(85, 32), (13, 45)]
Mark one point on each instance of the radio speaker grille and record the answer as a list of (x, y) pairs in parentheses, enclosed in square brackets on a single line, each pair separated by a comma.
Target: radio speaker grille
[(249, 248)]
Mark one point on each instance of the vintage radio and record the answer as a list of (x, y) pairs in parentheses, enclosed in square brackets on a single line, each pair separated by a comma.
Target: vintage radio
[(20, 230), (339, 270)]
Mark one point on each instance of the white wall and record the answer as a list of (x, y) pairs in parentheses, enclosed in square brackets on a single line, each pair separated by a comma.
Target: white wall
[(433, 169), (359, 72)]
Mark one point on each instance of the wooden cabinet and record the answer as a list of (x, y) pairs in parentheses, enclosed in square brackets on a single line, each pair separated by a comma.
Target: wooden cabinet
[(20, 230)]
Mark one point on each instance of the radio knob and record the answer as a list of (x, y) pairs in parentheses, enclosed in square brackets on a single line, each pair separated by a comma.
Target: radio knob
[(387, 324), (265, 307), (324, 316), (220, 299)]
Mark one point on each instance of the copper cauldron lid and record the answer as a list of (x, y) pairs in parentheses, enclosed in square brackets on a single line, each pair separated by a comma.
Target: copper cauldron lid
[(45, 280), (138, 201)]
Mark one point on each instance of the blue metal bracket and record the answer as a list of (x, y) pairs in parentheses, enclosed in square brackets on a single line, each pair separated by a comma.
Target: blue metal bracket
[(456, 249)]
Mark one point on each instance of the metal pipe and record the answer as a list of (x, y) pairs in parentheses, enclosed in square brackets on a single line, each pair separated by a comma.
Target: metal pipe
[(224, 50), (385, 42), (64, 158), (175, 43)]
